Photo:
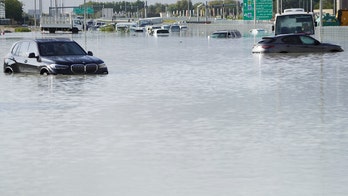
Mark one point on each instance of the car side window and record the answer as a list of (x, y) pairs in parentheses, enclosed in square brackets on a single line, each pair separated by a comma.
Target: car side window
[(33, 48), (46, 49), (307, 40), (291, 40), (23, 50), (15, 49), (237, 33)]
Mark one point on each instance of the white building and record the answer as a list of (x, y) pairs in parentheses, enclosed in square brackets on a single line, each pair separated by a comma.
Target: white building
[(107, 13)]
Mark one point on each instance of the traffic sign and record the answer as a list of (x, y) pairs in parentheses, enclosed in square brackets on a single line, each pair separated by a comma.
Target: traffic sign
[(264, 9), (89, 10)]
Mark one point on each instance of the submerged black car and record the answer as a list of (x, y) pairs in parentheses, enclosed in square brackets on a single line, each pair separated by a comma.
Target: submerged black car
[(293, 43), (52, 56)]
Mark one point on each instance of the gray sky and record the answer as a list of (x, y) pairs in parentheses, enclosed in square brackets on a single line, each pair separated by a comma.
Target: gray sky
[(29, 4)]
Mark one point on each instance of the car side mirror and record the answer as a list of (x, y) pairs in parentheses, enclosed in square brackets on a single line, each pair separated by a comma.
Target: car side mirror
[(272, 27), (32, 55), (90, 53)]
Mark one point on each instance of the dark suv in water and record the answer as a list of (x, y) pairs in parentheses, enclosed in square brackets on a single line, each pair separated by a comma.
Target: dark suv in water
[(52, 56)]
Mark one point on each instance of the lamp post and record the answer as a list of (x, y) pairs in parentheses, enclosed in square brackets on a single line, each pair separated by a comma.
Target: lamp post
[(84, 23), (254, 14), (198, 11), (188, 8), (35, 14)]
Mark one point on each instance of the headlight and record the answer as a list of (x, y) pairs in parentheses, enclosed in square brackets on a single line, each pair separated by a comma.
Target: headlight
[(56, 66), (102, 65)]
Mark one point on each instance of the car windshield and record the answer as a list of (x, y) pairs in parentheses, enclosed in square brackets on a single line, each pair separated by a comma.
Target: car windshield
[(219, 35), (60, 49)]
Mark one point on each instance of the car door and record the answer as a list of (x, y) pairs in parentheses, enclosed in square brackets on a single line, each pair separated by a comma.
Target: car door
[(25, 63), (19, 56), (311, 44), (11, 59), (292, 44), (32, 64)]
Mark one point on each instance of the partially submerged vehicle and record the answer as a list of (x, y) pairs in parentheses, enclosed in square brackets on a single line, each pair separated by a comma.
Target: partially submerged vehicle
[(52, 56), (226, 34), (160, 32), (293, 43)]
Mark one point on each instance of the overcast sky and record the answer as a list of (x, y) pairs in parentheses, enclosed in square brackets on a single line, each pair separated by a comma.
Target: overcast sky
[(29, 4)]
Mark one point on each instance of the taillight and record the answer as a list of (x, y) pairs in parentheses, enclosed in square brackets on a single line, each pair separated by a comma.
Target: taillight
[(267, 46)]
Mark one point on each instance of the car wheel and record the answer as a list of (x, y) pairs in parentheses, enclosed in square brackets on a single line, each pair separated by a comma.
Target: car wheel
[(75, 30), (8, 70), (44, 72)]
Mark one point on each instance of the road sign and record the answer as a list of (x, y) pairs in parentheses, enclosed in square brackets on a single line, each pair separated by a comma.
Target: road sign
[(89, 10), (264, 9)]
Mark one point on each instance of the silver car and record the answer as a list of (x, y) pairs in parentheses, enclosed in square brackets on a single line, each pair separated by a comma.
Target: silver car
[(293, 43), (226, 34)]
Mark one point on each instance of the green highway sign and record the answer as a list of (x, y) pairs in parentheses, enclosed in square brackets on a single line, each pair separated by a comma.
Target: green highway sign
[(264, 9), (89, 10)]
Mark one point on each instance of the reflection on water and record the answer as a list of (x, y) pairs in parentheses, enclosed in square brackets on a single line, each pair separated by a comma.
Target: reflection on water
[(182, 115)]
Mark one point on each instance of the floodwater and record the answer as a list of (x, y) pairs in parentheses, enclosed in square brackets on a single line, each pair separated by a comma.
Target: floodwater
[(182, 115)]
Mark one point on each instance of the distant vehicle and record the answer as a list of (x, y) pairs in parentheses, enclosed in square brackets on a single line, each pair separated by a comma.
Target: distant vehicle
[(98, 24), (226, 34), (125, 26), (175, 28), (161, 32), (258, 32), (151, 28), (62, 23), (52, 56), (150, 21), (137, 29), (165, 26), (293, 43), (183, 27), (294, 20)]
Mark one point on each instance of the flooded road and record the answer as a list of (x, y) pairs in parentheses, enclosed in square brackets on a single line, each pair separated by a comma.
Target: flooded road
[(177, 115)]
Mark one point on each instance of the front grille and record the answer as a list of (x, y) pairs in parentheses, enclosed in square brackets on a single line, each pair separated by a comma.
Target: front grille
[(91, 68), (84, 69)]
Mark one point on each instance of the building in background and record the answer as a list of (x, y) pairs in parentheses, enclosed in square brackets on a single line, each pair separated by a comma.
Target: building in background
[(107, 13), (2, 9), (3, 19), (342, 4)]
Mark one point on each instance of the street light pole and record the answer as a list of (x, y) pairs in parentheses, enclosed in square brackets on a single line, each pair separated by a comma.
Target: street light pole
[(254, 14), (188, 8), (35, 14)]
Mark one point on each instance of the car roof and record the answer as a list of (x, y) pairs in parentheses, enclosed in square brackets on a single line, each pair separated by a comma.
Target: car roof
[(233, 30), (44, 40), (285, 35)]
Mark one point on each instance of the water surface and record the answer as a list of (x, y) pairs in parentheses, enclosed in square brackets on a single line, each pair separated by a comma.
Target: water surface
[(178, 115)]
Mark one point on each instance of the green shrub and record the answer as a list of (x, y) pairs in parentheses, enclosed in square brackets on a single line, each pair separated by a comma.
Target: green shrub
[(108, 28), (22, 29)]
